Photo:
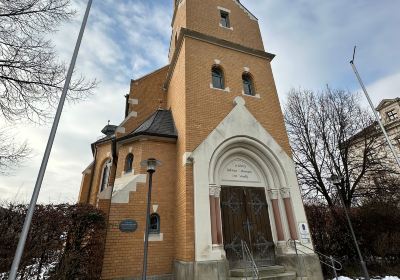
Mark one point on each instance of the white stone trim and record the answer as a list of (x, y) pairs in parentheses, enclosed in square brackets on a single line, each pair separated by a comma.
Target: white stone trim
[(155, 208), (187, 158), (227, 89), (274, 194), (253, 96), (246, 69), (120, 129), (285, 192), (132, 114), (229, 28), (240, 134), (224, 9), (154, 237), (133, 101), (215, 190), (217, 62), (126, 184)]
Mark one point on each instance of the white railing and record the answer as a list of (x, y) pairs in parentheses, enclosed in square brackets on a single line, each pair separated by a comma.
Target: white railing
[(249, 263)]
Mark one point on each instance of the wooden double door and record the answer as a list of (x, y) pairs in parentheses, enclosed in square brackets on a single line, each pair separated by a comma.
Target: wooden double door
[(245, 217)]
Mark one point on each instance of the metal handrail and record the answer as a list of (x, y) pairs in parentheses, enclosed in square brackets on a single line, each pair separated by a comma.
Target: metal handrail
[(253, 266), (320, 255)]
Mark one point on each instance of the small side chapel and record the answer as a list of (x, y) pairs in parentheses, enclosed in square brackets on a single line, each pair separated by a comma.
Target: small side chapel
[(226, 191)]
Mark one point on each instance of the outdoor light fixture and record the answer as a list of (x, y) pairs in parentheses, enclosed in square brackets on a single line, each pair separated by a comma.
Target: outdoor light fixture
[(151, 165), (337, 180)]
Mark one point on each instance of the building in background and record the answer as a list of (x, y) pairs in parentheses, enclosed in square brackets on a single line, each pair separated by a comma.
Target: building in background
[(212, 117)]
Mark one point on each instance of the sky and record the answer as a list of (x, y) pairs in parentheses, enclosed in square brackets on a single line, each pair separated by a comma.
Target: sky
[(313, 42)]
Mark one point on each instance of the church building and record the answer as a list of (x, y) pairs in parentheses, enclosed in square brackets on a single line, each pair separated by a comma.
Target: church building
[(225, 200)]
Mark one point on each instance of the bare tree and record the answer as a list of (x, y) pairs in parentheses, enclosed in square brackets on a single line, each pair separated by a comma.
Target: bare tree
[(31, 75), (11, 153), (331, 134)]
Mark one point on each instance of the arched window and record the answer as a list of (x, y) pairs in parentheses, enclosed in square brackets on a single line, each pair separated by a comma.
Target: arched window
[(248, 85), (217, 77), (154, 226), (105, 175), (128, 163)]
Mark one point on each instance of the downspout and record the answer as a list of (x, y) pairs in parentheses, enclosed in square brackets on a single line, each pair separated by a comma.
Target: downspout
[(126, 105)]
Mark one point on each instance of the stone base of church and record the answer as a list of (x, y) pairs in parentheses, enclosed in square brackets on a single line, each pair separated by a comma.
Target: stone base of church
[(208, 270), (155, 277), (307, 267)]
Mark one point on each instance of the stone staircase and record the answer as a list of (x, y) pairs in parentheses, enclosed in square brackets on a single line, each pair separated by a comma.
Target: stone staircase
[(275, 272)]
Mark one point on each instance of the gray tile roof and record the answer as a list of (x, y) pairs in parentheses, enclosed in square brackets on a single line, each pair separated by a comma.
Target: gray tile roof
[(160, 123)]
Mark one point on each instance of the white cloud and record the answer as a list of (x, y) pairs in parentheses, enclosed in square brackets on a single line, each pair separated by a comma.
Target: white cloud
[(312, 39)]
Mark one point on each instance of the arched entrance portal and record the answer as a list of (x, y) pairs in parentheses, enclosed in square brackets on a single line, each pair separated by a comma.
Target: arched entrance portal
[(245, 218), (246, 179)]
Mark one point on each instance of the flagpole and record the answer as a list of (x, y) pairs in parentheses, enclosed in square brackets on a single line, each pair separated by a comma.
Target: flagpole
[(373, 109), (42, 170)]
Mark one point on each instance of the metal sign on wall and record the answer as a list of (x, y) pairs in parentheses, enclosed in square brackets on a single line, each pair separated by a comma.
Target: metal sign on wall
[(128, 226)]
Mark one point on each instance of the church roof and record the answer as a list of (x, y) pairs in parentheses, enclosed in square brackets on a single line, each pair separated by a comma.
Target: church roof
[(160, 123), (386, 102)]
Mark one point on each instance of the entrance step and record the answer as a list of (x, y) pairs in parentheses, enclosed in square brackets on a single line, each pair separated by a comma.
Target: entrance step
[(275, 272), (266, 270)]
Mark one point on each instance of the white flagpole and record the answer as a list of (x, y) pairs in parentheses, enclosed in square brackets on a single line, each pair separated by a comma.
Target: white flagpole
[(42, 170), (373, 110)]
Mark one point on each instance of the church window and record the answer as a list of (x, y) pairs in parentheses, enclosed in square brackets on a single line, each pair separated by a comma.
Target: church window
[(225, 19), (217, 78), (128, 163), (105, 175), (248, 86), (154, 226), (392, 115)]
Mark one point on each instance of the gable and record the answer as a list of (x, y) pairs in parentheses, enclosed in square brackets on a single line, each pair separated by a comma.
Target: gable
[(386, 102)]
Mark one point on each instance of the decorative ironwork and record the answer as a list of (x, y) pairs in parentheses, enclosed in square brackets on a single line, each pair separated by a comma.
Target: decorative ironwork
[(233, 203), (264, 247), (256, 204), (235, 246)]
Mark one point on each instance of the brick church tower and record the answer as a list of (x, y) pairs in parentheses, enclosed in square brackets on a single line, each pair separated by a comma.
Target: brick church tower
[(227, 190)]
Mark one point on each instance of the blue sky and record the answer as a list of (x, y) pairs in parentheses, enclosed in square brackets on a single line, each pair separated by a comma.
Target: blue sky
[(313, 41)]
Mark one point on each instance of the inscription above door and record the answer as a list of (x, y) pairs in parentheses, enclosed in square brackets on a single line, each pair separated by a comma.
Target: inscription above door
[(239, 170)]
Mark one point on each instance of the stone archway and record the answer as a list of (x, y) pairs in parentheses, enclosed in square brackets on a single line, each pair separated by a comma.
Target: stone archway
[(241, 208)]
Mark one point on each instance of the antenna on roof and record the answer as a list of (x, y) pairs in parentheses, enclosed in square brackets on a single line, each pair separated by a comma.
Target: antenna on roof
[(373, 108), (108, 122)]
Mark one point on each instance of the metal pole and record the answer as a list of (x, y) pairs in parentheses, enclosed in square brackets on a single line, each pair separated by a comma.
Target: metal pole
[(334, 268), (42, 170), (373, 109), (364, 267), (146, 236)]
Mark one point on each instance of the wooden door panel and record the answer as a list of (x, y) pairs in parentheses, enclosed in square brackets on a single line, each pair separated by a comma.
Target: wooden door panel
[(245, 217), (234, 215), (261, 243)]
